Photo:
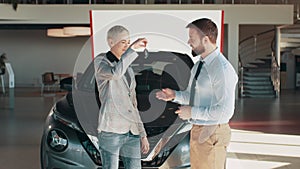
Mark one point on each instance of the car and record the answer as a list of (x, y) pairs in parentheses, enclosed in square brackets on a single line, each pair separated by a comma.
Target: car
[(69, 138)]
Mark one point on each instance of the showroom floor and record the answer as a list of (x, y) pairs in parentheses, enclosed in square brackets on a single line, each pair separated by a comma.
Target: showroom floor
[(266, 132)]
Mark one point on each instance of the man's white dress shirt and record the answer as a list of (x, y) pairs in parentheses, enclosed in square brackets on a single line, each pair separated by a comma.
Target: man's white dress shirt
[(215, 91)]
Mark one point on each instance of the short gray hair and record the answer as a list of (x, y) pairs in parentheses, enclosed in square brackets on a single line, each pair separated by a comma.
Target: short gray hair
[(114, 31)]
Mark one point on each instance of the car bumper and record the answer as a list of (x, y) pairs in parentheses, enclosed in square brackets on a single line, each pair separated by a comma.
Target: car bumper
[(74, 156)]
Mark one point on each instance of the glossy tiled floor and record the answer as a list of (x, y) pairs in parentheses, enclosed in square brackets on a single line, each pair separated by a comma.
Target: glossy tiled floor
[(21, 128), (266, 132)]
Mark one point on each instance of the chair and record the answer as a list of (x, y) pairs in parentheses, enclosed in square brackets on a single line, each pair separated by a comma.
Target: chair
[(66, 83), (48, 81)]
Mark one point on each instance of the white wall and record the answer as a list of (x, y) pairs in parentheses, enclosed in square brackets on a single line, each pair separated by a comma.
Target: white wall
[(31, 53), (60, 54)]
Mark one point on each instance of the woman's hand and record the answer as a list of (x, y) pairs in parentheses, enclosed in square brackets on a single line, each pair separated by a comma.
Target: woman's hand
[(145, 145), (139, 43)]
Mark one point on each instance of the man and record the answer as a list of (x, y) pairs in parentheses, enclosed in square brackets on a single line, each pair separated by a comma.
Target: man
[(120, 127), (208, 102)]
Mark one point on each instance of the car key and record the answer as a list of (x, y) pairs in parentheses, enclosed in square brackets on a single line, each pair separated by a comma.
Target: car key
[(146, 53)]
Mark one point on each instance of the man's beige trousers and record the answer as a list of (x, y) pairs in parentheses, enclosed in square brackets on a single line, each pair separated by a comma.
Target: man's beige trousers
[(208, 145)]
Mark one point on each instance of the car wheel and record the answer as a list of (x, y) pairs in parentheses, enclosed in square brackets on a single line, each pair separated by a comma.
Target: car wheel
[(43, 158)]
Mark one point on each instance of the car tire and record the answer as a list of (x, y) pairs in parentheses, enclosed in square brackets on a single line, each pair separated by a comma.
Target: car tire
[(43, 159)]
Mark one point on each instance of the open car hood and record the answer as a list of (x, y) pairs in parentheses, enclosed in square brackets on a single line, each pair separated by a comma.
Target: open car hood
[(167, 130)]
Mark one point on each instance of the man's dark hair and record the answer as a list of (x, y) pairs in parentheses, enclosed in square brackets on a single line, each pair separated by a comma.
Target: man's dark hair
[(206, 27)]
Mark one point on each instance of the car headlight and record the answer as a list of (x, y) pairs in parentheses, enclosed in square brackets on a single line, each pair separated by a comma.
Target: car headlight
[(57, 140), (90, 148)]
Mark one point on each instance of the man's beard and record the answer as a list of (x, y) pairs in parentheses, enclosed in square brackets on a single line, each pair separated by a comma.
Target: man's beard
[(194, 54), (197, 52)]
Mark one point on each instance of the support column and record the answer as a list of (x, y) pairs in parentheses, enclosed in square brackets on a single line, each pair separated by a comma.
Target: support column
[(233, 48), (278, 40)]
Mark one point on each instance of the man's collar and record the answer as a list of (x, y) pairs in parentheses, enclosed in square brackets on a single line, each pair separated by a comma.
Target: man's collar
[(209, 58), (111, 57)]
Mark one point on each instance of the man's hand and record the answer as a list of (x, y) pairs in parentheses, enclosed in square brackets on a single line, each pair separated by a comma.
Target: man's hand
[(145, 145), (184, 112), (165, 94), (139, 43)]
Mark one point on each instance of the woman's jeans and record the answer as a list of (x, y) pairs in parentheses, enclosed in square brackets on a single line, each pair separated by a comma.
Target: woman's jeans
[(112, 145)]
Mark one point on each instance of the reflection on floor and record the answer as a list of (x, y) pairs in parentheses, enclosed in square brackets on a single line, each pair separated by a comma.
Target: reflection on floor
[(259, 150), (265, 135)]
